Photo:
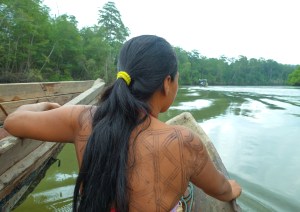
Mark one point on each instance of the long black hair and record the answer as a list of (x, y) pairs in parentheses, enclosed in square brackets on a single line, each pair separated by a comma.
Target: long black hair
[(102, 180)]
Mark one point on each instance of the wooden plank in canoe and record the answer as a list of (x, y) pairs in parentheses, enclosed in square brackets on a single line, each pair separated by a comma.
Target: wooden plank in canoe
[(9, 107), (3, 133), (90, 95), (20, 91), (202, 201), (12, 150), (16, 175)]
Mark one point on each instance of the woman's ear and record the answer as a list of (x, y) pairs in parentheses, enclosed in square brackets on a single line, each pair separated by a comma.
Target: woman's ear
[(167, 83)]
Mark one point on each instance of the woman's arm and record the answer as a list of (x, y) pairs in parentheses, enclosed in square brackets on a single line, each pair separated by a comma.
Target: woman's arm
[(214, 183), (44, 121), (208, 178), (42, 106)]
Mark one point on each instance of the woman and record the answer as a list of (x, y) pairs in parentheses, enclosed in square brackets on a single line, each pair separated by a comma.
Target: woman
[(129, 160)]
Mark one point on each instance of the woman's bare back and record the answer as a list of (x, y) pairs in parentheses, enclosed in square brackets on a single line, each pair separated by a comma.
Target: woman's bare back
[(161, 161), (164, 160)]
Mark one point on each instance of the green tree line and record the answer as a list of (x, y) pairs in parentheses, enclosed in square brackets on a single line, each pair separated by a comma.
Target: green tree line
[(37, 47), (294, 77), (231, 71)]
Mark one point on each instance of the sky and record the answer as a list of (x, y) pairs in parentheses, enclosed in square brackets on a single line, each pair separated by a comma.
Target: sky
[(268, 29)]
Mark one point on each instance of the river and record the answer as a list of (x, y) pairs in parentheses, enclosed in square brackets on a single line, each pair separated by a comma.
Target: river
[(256, 131)]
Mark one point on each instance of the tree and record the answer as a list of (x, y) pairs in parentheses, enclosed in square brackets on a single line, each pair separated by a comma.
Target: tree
[(114, 32), (24, 35), (112, 25), (66, 44), (184, 66), (195, 70), (294, 77), (95, 51)]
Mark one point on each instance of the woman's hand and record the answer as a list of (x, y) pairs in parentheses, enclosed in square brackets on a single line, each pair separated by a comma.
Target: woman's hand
[(51, 105), (210, 179), (235, 188), (42, 106)]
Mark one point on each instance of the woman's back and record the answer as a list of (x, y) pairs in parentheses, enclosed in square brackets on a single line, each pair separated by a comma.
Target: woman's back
[(162, 160)]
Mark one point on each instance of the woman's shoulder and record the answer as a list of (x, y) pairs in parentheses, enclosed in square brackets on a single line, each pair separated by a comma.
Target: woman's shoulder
[(81, 112), (78, 109), (188, 144), (80, 116), (185, 133), (189, 138), (180, 133), (196, 155)]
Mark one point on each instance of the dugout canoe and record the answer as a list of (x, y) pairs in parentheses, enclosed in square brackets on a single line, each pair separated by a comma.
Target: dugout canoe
[(23, 163), (202, 201)]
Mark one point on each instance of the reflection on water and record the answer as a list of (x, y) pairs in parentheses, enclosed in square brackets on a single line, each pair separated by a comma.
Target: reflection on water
[(255, 130), (192, 105), (53, 195)]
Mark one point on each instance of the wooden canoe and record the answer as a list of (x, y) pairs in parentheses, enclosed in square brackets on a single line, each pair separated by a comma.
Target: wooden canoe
[(202, 201), (24, 162)]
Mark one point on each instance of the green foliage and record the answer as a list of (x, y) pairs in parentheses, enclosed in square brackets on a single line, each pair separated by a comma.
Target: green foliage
[(95, 50), (37, 47), (66, 48), (184, 66), (230, 71), (111, 24), (24, 30), (294, 77), (34, 75), (115, 33)]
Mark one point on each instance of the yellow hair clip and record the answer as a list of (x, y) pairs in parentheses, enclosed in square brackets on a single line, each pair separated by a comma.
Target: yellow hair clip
[(125, 76)]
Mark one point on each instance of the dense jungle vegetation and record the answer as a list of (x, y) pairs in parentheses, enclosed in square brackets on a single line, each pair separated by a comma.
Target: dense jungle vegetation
[(37, 47)]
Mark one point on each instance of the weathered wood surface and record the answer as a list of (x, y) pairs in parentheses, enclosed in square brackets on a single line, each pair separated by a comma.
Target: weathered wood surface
[(3, 133), (11, 180), (14, 149), (20, 91), (203, 202), (21, 161), (13, 95), (8, 107)]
